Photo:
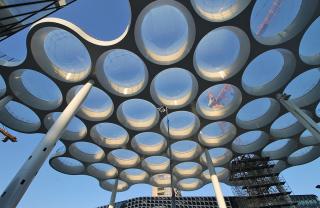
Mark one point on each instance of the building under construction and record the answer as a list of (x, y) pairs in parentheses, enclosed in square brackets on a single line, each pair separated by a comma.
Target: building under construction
[(258, 184)]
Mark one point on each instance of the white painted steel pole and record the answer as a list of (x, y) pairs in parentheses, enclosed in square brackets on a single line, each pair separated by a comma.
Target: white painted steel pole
[(113, 194), (215, 181), (4, 101), (301, 116), (20, 183)]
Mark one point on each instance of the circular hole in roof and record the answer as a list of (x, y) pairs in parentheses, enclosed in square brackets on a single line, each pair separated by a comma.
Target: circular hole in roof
[(268, 72), (185, 150), (134, 175), (67, 165), (286, 125), (309, 49), (109, 185), (35, 89), (75, 130), (275, 22), (317, 111), (97, 106), (102, 171), (3, 86), (161, 180), (219, 156), (250, 142), (304, 155), (109, 135), (61, 54), (19, 117), (257, 113), (221, 53), (190, 184), (187, 169), (304, 89), (149, 143), (156, 164), (122, 72), (219, 101), (182, 125), (60, 149), (9, 57), (123, 158), (217, 134), (220, 10), (86, 152), (222, 173), (279, 149), (164, 32), (174, 93), (138, 114), (306, 138)]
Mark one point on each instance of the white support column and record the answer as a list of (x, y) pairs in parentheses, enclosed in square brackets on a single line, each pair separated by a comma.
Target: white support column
[(301, 116), (4, 101), (62, 3), (215, 181), (20, 183), (114, 194)]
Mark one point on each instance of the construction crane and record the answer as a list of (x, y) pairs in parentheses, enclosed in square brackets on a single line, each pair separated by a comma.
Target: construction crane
[(7, 135), (215, 101), (271, 12)]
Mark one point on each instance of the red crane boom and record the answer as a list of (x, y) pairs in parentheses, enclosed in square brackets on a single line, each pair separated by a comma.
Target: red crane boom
[(215, 100), (7, 135), (273, 9)]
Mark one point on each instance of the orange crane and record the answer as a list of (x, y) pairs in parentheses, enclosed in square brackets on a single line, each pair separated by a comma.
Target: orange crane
[(7, 135), (215, 101), (273, 9)]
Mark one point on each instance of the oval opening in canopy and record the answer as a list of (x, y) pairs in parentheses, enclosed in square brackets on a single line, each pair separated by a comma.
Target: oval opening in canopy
[(268, 72), (35, 89), (61, 54), (167, 90), (19, 117), (221, 53), (122, 72), (219, 10), (275, 22), (164, 32), (219, 101), (137, 114), (97, 106), (309, 49)]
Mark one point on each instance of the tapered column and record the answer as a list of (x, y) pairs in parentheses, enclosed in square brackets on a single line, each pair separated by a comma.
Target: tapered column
[(4, 101), (301, 116), (113, 194), (20, 183), (215, 181)]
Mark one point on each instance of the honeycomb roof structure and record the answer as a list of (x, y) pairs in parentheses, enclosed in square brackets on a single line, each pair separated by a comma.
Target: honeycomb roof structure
[(216, 65)]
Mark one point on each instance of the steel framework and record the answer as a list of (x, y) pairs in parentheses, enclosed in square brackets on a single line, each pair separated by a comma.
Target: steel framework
[(258, 184), (12, 23)]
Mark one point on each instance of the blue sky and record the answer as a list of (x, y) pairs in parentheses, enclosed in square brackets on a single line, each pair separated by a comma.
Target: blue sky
[(104, 20)]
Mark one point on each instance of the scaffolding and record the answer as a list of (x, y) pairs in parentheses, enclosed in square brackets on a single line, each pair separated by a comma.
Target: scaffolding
[(257, 184)]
